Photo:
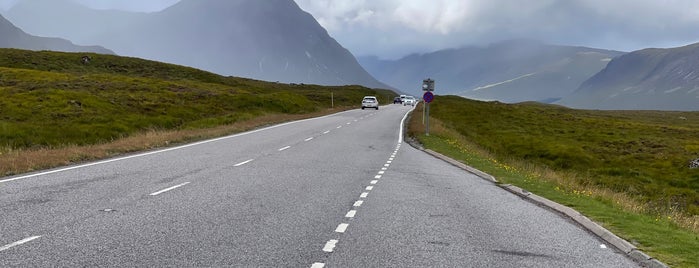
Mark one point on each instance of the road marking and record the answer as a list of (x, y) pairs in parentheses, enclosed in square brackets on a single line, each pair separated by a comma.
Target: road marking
[(363, 195), (341, 228), (349, 123), (243, 163), (330, 245), (318, 265), (389, 162), (391, 158), (382, 172), (384, 169), (339, 126), (309, 139), (402, 123), (166, 150), (168, 189), (377, 177), (386, 165), (326, 132), (603, 246), (350, 214), (358, 203), (284, 148), (374, 182), (369, 188), (355, 120), (6, 247)]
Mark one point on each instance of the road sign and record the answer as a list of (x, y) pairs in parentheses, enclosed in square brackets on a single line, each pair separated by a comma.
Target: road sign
[(428, 97)]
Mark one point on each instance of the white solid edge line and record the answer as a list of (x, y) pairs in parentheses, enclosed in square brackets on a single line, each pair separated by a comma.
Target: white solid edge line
[(167, 149), (351, 214), (284, 148), (243, 163), (341, 228), (318, 265), (402, 124), (170, 188), (8, 246)]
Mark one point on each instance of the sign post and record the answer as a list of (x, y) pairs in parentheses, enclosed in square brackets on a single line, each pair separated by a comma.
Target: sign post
[(428, 87)]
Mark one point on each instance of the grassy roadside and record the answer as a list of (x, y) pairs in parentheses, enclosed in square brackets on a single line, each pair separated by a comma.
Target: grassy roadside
[(55, 110), (670, 236)]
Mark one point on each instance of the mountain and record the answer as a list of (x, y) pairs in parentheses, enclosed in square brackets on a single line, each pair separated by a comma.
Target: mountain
[(508, 71), (271, 40), (13, 37), (648, 79)]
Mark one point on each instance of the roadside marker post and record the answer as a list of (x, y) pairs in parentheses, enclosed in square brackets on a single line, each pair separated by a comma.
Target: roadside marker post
[(428, 88)]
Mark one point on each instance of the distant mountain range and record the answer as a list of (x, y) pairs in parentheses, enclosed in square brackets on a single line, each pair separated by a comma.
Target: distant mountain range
[(13, 37), (649, 79), (271, 40), (509, 71)]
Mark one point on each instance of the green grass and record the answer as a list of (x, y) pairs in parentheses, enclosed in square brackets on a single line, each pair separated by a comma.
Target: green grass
[(51, 99), (570, 156)]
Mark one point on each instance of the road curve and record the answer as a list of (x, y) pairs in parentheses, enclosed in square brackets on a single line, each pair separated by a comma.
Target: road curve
[(335, 191)]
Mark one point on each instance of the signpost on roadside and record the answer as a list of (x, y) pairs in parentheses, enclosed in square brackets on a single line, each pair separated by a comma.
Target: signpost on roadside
[(428, 88)]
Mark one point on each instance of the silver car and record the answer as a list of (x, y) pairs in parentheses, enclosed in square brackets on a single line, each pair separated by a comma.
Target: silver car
[(410, 100), (370, 102)]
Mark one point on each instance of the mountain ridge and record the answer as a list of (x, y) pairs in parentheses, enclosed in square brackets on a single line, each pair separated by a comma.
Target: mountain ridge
[(236, 37), (647, 79), (14, 37)]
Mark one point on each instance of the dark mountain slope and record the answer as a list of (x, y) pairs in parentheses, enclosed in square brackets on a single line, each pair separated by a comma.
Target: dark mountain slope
[(649, 79), (271, 40)]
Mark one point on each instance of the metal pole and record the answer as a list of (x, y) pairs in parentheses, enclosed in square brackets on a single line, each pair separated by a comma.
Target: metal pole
[(332, 99), (427, 127)]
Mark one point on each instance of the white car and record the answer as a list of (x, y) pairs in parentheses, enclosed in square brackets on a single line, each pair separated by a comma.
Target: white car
[(410, 100), (370, 102)]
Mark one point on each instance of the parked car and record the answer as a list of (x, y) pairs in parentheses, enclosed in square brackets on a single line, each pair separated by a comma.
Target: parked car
[(397, 100), (409, 100), (370, 102)]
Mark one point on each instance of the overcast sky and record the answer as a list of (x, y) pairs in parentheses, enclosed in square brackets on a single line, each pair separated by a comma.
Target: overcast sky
[(394, 28)]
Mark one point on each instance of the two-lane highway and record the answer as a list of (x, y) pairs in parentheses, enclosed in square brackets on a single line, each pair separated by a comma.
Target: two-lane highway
[(335, 191)]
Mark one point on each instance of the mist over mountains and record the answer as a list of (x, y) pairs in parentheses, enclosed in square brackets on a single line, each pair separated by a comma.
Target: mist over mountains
[(13, 37), (271, 40), (509, 71), (648, 79)]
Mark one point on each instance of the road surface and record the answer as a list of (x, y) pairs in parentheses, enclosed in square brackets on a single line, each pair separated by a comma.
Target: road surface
[(337, 191)]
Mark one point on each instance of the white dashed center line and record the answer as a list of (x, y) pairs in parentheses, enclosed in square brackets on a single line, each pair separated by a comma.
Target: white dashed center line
[(363, 195), (374, 182), (330, 245), (8, 246), (169, 189), (339, 126), (309, 139), (326, 132), (341, 228), (351, 214), (369, 188), (318, 265), (358, 203), (284, 148)]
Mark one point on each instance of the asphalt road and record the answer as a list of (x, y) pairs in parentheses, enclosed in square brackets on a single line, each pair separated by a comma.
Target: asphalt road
[(336, 191)]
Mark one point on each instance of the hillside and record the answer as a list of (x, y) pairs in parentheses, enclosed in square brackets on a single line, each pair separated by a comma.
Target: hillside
[(649, 79), (51, 99), (509, 71), (13, 37), (642, 153), (268, 40)]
